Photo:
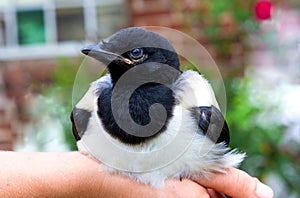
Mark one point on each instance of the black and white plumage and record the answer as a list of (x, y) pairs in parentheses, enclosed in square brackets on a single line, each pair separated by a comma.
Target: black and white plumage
[(187, 97)]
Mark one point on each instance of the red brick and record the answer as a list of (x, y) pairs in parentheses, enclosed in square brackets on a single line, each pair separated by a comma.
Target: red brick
[(143, 7), (168, 20)]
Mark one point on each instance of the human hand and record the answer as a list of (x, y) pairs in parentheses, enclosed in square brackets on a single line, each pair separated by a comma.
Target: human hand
[(237, 184), (73, 174)]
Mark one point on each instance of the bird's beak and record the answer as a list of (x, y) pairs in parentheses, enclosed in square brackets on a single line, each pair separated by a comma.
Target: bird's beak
[(96, 51)]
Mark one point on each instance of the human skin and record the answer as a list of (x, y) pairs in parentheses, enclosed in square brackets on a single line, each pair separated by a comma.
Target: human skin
[(72, 174)]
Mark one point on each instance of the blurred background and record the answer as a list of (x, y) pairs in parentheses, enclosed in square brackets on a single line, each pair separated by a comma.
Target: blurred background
[(255, 43)]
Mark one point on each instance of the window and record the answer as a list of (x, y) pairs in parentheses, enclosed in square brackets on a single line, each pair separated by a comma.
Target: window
[(54, 28), (31, 28), (70, 25), (110, 19)]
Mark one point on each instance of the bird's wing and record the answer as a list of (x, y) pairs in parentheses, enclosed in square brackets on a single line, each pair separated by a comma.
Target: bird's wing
[(212, 123), (195, 93), (81, 113)]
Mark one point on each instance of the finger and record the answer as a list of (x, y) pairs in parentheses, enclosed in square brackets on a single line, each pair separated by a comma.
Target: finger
[(214, 194), (184, 188), (237, 184)]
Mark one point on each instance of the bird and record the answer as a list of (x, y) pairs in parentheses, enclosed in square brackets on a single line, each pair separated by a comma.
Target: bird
[(146, 105)]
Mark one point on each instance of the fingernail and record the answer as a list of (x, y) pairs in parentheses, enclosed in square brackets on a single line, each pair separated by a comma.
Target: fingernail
[(263, 191)]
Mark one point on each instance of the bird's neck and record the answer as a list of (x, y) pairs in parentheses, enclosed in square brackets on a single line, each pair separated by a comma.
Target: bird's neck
[(116, 74)]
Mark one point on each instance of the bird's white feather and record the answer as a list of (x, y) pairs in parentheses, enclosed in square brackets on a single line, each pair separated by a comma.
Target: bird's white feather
[(193, 90), (89, 100)]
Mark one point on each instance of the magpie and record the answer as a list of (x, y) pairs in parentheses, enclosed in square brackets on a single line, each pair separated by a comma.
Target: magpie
[(143, 104)]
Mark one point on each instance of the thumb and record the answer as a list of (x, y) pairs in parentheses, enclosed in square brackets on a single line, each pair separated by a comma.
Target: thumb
[(237, 184)]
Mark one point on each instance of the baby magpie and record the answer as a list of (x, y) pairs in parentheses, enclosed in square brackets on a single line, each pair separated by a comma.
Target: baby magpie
[(143, 105)]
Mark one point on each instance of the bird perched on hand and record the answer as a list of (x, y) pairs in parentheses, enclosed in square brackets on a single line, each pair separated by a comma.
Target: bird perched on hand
[(144, 105)]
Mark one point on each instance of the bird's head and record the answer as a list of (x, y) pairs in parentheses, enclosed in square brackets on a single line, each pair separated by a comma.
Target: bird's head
[(131, 47)]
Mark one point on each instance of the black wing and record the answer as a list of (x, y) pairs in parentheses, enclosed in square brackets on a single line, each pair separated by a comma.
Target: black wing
[(79, 119), (212, 123)]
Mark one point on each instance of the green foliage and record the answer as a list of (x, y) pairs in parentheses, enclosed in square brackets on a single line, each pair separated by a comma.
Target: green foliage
[(236, 13), (223, 27), (260, 139), (70, 81), (60, 93), (221, 24)]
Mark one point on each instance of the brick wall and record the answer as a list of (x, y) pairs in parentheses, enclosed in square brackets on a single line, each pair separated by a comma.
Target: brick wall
[(152, 13), (18, 80), (7, 133), (7, 118)]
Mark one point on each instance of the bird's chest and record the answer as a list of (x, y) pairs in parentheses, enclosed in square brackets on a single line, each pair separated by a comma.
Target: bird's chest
[(115, 109)]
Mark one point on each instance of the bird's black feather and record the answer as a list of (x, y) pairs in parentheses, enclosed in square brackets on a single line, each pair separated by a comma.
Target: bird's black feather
[(139, 104), (79, 119), (157, 60), (212, 123)]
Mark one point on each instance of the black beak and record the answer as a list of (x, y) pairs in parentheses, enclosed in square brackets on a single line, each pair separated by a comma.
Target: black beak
[(96, 51)]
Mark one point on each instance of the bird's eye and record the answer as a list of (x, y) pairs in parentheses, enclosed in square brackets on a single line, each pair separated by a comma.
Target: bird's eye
[(136, 53)]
